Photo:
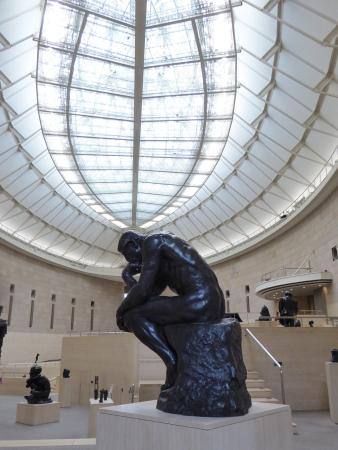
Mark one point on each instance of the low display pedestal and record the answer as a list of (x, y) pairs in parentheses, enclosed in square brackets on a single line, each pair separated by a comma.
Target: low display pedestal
[(140, 426), (29, 414), (66, 393), (94, 407), (332, 387)]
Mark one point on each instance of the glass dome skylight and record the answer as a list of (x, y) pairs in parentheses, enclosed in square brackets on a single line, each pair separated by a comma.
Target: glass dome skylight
[(136, 100)]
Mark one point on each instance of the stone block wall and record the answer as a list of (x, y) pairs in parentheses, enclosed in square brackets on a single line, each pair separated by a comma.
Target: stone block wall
[(27, 274)]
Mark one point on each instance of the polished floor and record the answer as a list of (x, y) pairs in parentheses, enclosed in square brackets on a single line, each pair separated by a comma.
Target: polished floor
[(315, 429), (73, 423)]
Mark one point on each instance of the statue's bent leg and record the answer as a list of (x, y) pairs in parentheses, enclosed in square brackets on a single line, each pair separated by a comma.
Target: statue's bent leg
[(147, 322), (153, 337)]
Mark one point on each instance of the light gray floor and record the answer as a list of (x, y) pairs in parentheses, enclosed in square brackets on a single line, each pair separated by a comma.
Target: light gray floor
[(316, 431), (73, 423)]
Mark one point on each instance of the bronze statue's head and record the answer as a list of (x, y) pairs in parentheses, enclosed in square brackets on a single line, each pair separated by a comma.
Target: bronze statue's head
[(35, 371), (130, 245)]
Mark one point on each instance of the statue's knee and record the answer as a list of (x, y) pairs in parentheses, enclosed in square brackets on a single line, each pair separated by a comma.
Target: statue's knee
[(130, 319)]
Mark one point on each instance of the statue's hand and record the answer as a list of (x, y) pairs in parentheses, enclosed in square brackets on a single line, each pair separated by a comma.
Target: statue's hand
[(130, 270)]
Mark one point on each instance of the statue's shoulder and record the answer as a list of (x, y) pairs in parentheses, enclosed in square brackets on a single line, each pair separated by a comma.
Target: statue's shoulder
[(157, 239)]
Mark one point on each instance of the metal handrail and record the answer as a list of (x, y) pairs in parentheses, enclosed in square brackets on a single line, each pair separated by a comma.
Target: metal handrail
[(278, 364)]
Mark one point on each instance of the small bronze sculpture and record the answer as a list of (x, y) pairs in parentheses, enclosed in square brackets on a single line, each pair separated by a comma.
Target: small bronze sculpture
[(39, 385), (96, 387), (3, 328), (66, 373), (334, 355), (166, 261), (101, 395), (264, 314)]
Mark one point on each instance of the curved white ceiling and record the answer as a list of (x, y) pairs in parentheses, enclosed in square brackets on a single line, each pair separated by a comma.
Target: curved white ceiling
[(58, 192)]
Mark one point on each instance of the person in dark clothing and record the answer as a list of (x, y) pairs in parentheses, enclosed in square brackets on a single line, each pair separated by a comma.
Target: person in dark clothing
[(3, 329), (288, 309)]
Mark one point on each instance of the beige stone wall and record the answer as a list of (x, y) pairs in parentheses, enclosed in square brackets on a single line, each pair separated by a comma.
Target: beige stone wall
[(28, 274), (303, 352), (314, 237), (23, 347), (112, 357)]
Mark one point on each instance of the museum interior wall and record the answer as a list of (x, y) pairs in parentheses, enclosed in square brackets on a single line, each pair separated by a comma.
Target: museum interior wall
[(303, 352), (111, 357), (42, 303), (30, 290), (313, 238), (22, 347)]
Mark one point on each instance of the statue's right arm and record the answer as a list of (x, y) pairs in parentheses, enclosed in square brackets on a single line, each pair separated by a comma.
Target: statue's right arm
[(150, 265), (127, 274)]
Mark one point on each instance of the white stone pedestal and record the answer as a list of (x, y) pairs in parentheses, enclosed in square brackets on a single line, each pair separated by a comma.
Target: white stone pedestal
[(65, 396), (140, 426), (332, 387), (37, 414), (94, 407)]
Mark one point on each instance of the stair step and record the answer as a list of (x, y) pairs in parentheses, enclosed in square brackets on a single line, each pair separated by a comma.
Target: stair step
[(252, 375), (260, 392), (254, 383), (266, 400)]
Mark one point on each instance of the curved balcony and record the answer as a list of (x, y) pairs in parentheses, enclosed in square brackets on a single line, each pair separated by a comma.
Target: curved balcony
[(303, 284)]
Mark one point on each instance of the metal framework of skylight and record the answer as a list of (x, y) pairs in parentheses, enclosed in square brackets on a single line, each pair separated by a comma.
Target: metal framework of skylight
[(147, 92)]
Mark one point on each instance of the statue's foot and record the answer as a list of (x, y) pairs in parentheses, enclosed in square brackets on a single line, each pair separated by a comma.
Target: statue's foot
[(44, 400), (170, 377), (29, 399)]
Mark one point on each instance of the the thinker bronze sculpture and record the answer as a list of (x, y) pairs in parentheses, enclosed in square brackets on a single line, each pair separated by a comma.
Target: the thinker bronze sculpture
[(202, 353), (39, 386)]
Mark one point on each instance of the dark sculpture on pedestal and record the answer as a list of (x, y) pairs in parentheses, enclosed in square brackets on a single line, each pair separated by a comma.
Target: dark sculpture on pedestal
[(288, 309), (96, 387), (205, 369), (334, 355), (39, 385), (264, 314), (66, 373), (101, 396)]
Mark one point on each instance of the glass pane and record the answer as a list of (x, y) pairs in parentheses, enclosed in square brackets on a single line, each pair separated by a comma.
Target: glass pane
[(164, 10), (106, 39)]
